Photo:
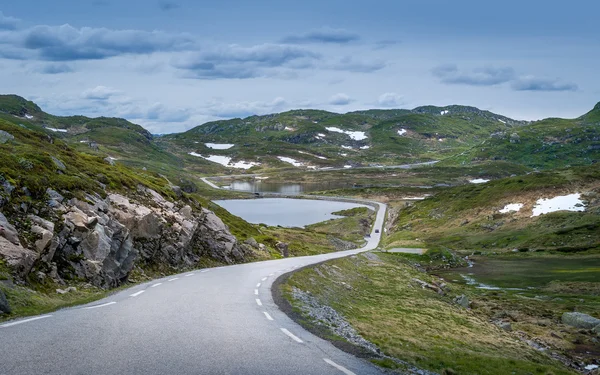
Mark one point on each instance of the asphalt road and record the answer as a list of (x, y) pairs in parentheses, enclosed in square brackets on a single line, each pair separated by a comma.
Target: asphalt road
[(210, 321)]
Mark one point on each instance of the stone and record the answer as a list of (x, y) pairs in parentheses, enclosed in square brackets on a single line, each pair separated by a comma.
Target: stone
[(506, 326), (76, 219), (463, 301), (8, 231), (262, 247), (5, 137), (580, 320), (58, 163), (109, 160), (17, 257), (186, 212), (252, 242), (44, 237), (177, 190), (283, 249), (4, 306)]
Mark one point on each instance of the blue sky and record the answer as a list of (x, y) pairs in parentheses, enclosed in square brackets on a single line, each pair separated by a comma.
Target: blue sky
[(171, 65)]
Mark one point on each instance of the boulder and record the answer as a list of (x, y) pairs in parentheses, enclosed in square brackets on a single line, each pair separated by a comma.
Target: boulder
[(4, 306), (8, 231), (58, 164), (5, 137), (283, 249), (252, 242), (44, 237), (580, 320), (463, 301), (17, 257), (186, 212)]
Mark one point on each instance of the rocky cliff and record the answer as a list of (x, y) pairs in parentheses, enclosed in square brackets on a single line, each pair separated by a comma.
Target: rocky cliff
[(101, 239)]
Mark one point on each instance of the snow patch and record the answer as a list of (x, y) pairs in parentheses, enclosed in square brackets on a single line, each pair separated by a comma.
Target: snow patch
[(571, 202), (357, 136), (479, 181), (502, 121), (591, 367), (219, 146), (444, 112), (347, 147), (401, 131), (343, 154), (440, 140), (512, 207), (316, 156), (290, 129), (29, 117), (347, 166), (226, 161), (293, 162), (365, 147), (58, 130)]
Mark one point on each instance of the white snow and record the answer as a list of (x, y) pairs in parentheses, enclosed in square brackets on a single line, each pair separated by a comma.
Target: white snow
[(219, 146), (365, 147), (83, 141), (316, 156), (440, 140), (58, 130), (357, 136), (293, 162), (479, 181), (512, 207), (347, 147), (591, 367), (321, 135), (195, 141), (226, 161), (401, 131), (444, 112), (571, 202), (289, 129), (344, 154), (29, 117), (504, 122), (347, 166)]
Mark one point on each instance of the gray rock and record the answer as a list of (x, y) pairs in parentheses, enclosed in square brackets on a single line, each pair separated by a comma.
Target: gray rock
[(596, 329), (463, 301), (177, 191), (252, 242), (59, 164), (5, 137), (506, 326), (4, 306), (109, 160), (283, 249), (8, 231), (580, 320), (17, 257)]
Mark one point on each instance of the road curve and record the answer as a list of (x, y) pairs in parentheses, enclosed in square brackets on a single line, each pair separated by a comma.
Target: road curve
[(209, 321)]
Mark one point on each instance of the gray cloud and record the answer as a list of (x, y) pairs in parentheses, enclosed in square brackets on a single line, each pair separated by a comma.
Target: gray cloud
[(322, 36), (99, 93), (244, 62), (382, 44), (166, 6), (159, 112), (486, 76), (55, 68), (340, 99), (8, 23), (66, 43), (531, 83), (390, 100), (349, 64), (221, 109)]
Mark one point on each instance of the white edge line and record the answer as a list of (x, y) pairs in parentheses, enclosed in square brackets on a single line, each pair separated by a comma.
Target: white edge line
[(104, 304), (24, 321), (341, 368), (258, 285), (294, 337), (269, 317), (256, 292), (189, 274), (155, 285), (137, 293), (173, 279), (258, 302), (204, 271), (263, 279)]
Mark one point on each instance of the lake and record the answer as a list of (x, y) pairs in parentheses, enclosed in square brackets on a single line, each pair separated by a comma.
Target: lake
[(286, 212), (285, 188)]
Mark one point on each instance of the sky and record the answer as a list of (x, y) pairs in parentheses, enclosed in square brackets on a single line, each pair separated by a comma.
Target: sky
[(170, 65)]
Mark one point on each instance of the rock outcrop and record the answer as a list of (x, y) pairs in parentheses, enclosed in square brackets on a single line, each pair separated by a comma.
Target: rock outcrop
[(580, 320), (101, 239)]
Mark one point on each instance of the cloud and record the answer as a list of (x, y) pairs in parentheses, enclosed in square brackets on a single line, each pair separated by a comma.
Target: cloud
[(383, 44), (159, 112), (531, 83), (54, 68), (100, 93), (243, 62), (486, 76), (340, 99), (166, 6), (390, 100), (66, 43), (8, 23), (322, 36), (220, 109), (349, 64)]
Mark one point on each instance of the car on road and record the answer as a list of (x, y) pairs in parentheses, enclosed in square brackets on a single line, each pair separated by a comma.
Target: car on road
[(376, 230)]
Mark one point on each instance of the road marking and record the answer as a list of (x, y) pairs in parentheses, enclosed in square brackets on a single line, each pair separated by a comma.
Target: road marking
[(267, 315), (95, 307), (189, 274), (258, 302), (155, 285), (137, 293), (263, 279), (258, 285), (173, 279), (24, 321), (256, 292), (271, 274), (341, 368), (294, 337), (204, 271)]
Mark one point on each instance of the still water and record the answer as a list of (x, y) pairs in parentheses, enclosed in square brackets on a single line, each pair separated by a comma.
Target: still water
[(285, 188), (285, 211)]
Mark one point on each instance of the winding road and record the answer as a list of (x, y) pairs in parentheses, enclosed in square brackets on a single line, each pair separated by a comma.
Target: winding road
[(209, 321)]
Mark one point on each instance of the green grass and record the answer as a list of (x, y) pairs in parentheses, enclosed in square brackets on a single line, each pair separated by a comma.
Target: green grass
[(413, 324), (354, 226)]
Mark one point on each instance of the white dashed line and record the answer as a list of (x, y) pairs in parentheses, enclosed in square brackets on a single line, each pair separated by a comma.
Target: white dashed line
[(189, 274), (263, 279), (271, 274), (95, 307), (294, 337), (341, 368), (267, 315), (258, 302), (256, 292), (137, 293), (204, 271), (258, 285), (24, 321), (155, 285), (173, 279)]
